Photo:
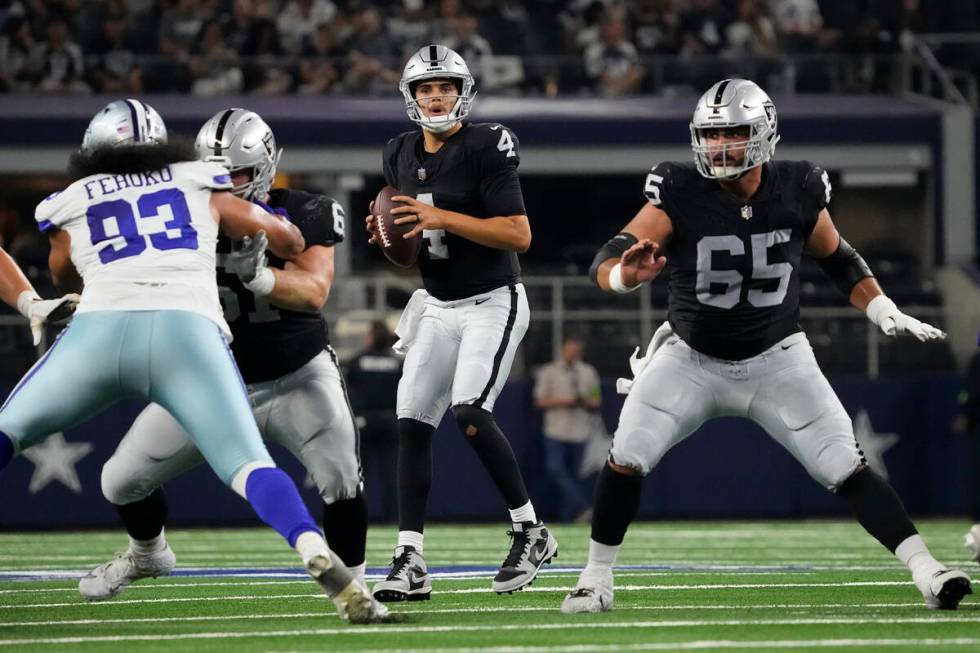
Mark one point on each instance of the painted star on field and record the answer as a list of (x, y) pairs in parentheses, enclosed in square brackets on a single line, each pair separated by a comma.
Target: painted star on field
[(873, 444), (55, 460)]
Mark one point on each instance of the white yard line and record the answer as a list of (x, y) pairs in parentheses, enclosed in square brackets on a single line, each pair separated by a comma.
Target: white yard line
[(393, 630), (479, 590), (460, 610), (695, 645)]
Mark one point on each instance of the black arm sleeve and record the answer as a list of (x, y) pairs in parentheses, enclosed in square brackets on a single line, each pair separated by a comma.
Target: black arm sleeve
[(613, 248), (845, 267)]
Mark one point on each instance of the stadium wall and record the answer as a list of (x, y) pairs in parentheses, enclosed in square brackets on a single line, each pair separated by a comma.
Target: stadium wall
[(729, 468)]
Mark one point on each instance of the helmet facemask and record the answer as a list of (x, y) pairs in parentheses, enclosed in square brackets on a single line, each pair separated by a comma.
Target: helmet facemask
[(729, 167)]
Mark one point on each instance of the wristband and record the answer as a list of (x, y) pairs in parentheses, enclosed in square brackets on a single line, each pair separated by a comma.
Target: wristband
[(616, 281), (263, 283), (24, 301), (880, 308)]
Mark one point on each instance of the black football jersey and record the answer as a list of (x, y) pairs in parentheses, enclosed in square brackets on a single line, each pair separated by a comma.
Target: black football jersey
[(475, 173), (270, 342), (733, 267)]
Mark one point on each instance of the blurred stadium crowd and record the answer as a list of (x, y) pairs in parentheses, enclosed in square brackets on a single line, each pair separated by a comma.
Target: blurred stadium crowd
[(536, 47)]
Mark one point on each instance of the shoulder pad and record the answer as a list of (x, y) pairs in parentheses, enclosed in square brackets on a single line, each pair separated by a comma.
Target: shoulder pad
[(816, 185)]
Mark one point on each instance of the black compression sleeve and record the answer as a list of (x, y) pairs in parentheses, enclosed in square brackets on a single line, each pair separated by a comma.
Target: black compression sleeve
[(845, 267), (613, 248)]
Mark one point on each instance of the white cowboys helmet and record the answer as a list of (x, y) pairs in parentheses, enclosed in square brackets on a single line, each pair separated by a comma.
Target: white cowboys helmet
[(238, 139), (734, 103), (124, 122), (437, 62)]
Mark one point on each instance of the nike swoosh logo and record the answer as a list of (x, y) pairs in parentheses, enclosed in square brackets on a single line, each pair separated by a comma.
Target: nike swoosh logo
[(495, 128), (415, 581), (480, 301), (537, 553)]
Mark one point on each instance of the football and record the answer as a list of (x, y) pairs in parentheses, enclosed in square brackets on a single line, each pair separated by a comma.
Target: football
[(400, 251)]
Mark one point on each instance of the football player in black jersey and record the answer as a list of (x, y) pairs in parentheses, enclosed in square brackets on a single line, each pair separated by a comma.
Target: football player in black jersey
[(281, 347), (460, 186), (730, 230)]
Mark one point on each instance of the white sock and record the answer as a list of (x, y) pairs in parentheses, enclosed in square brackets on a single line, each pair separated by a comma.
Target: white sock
[(410, 538), (915, 555), (523, 514), (358, 572), (148, 547), (309, 544), (601, 556)]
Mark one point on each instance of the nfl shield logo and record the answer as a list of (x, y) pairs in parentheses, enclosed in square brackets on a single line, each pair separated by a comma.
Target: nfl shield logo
[(746, 212), (422, 174)]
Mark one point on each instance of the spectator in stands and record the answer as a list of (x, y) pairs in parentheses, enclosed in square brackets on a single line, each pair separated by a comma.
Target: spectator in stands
[(300, 18), (265, 73), (410, 25), (657, 27), (372, 56), (613, 64), (179, 28), (372, 378), (567, 392), (111, 62), (318, 74), (443, 26), (59, 60), (474, 49), (800, 24), (703, 28), (16, 46), (752, 33), (237, 24), (214, 67)]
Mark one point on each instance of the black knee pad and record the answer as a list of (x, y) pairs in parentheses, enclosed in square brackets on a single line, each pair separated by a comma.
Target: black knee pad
[(472, 420)]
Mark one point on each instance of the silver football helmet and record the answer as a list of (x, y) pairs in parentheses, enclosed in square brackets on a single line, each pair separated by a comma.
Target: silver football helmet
[(437, 62), (238, 139), (122, 122), (734, 103)]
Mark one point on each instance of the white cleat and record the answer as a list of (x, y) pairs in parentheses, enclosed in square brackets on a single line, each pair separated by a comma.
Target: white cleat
[(351, 598), (111, 578), (592, 593), (944, 589), (972, 543)]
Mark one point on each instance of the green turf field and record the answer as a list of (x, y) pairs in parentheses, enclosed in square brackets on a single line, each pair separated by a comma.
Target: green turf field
[(750, 586)]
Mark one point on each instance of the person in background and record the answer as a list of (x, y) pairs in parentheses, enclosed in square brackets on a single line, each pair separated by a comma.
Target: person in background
[(372, 377), (968, 422), (567, 392)]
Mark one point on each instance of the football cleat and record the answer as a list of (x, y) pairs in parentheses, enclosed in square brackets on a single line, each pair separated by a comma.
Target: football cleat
[(111, 578), (944, 589), (592, 593), (408, 579), (352, 600), (972, 543), (531, 546)]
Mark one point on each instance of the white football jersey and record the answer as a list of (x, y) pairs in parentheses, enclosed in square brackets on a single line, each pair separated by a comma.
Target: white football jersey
[(143, 241)]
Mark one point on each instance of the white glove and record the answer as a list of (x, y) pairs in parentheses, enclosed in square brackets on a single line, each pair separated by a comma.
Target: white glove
[(249, 264), (41, 311), (893, 322)]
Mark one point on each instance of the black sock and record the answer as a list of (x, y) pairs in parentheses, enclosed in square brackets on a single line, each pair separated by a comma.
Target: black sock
[(617, 500), (144, 519), (414, 473), (494, 450), (877, 508), (345, 525)]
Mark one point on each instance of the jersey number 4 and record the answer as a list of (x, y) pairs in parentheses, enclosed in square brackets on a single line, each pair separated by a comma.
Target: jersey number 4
[(435, 239), (732, 279), (108, 221)]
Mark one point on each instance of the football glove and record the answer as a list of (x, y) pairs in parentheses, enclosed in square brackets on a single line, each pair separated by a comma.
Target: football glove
[(893, 322), (249, 264), (41, 311)]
